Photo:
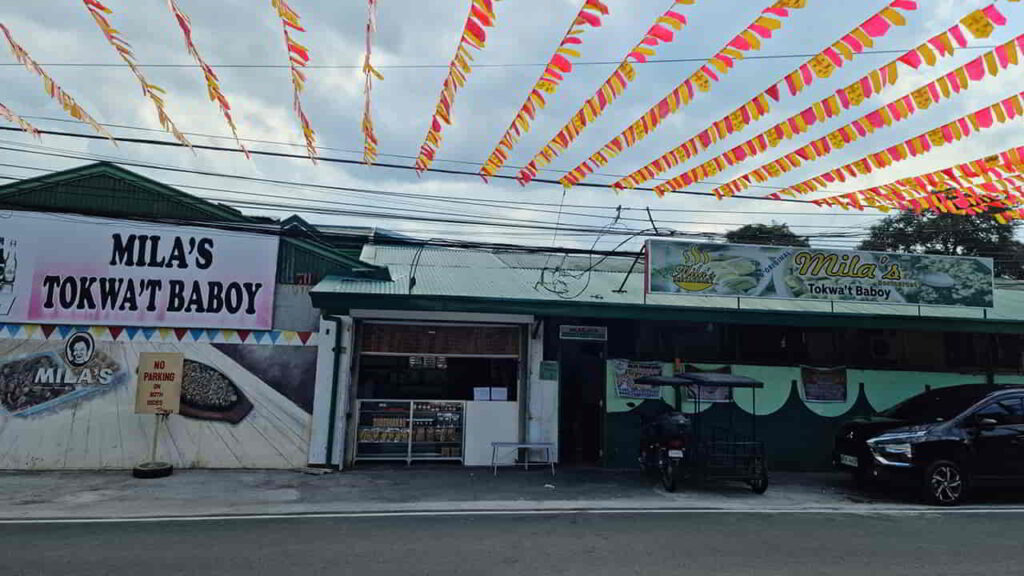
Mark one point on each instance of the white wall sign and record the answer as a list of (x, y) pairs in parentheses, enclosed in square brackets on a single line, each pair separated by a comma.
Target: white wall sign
[(595, 333), (62, 269)]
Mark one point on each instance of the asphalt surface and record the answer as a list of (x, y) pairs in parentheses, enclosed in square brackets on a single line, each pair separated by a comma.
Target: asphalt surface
[(709, 544)]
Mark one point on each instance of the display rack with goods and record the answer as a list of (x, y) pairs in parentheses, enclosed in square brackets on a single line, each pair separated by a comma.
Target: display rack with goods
[(410, 430)]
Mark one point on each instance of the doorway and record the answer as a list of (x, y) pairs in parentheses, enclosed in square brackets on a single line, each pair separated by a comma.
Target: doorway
[(581, 402)]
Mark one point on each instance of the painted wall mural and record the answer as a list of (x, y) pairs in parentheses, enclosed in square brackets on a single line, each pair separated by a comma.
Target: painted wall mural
[(67, 399), (798, 431)]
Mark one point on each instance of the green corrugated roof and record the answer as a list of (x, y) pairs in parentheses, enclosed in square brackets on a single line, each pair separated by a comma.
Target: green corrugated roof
[(481, 280), (105, 189)]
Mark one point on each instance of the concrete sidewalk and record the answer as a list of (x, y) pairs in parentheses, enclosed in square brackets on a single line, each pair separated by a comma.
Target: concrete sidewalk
[(29, 495)]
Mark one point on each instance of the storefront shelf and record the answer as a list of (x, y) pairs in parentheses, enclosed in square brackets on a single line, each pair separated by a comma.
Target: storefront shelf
[(416, 442), (398, 443), (416, 418)]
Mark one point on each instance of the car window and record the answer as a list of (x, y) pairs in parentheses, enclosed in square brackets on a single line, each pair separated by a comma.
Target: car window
[(937, 405), (1004, 412)]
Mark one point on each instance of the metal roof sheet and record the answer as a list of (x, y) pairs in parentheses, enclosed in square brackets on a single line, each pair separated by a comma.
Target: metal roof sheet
[(522, 276)]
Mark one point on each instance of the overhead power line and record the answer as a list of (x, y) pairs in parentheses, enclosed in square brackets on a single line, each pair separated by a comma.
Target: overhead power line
[(358, 153), (328, 159), (518, 226), (324, 204)]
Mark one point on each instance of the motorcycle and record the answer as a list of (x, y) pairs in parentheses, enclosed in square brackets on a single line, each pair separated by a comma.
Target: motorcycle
[(665, 432)]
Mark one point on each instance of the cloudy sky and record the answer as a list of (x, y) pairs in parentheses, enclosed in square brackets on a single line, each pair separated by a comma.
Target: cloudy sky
[(415, 41)]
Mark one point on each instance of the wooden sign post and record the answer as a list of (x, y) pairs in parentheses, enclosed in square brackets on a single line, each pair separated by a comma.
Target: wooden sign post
[(158, 392)]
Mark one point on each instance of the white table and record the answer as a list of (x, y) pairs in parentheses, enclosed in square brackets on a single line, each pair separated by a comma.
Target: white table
[(547, 447)]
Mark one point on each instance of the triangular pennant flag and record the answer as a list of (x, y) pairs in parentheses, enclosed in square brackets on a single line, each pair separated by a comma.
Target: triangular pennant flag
[(227, 335), (131, 333), (197, 333), (212, 334), (99, 332), (115, 332), (47, 330), (179, 333), (304, 336), (147, 333), (64, 331), (31, 330), (243, 335), (12, 329), (275, 335), (288, 335)]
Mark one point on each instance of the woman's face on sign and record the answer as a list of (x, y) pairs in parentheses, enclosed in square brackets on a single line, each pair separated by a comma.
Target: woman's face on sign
[(80, 352)]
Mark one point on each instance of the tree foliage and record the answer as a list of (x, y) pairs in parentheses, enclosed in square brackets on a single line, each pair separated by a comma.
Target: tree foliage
[(952, 235), (765, 235)]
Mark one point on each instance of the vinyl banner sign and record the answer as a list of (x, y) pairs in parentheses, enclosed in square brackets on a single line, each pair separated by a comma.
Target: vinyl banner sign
[(61, 269), (813, 274)]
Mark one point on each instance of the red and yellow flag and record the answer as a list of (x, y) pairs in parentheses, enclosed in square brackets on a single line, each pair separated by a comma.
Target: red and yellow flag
[(212, 82), (945, 86), (663, 30), (298, 57), (369, 138), (13, 118), (762, 28), (99, 14), (554, 72), (481, 15), (1000, 112), (51, 88)]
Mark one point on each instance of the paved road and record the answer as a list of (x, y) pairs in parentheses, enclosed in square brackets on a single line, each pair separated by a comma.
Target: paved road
[(791, 544)]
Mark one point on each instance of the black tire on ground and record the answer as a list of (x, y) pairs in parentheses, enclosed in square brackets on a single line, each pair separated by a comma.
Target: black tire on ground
[(759, 482), (944, 483), (863, 479), (152, 470), (670, 476)]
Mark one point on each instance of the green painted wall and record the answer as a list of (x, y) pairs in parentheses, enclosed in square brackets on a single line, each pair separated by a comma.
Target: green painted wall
[(798, 434)]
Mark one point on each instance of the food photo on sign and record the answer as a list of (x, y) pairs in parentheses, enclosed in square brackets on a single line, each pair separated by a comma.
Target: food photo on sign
[(738, 270), (57, 375)]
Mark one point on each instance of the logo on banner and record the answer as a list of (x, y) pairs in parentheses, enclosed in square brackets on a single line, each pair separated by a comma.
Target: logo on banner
[(78, 349), (694, 275)]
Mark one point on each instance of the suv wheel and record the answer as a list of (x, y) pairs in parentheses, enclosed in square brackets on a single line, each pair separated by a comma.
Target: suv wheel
[(944, 484)]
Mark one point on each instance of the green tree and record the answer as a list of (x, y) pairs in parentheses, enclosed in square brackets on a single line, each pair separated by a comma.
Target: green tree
[(952, 235), (765, 235)]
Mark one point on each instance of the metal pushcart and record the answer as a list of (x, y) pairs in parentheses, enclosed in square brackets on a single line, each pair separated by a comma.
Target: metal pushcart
[(717, 452)]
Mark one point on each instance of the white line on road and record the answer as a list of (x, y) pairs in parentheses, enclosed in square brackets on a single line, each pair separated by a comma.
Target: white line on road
[(548, 512)]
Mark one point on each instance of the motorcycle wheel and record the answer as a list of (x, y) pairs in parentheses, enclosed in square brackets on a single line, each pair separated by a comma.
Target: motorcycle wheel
[(670, 475), (759, 482)]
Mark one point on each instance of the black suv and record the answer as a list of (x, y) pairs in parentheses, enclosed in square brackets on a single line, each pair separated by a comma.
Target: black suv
[(945, 441)]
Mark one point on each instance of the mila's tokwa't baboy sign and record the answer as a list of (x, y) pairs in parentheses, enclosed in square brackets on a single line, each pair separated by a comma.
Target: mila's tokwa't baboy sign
[(675, 267), (71, 269)]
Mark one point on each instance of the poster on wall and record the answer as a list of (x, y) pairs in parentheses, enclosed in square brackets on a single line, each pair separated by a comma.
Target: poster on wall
[(677, 267), (823, 384), (68, 398), (708, 394), (626, 373), (59, 268)]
